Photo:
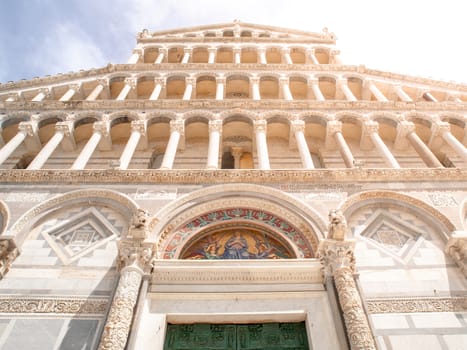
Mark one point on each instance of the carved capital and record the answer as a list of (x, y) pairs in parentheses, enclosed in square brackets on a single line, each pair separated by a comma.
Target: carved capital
[(188, 50), (177, 125), (29, 128), (335, 255), (139, 126), (439, 128), (212, 49), (333, 126), (254, 80), (215, 125), (298, 125), (8, 254), (285, 50), (190, 81), (102, 127), (135, 254), (131, 82), (369, 127), (457, 250), (284, 80), (103, 81), (260, 125), (220, 80), (74, 87), (159, 81), (65, 127), (404, 128)]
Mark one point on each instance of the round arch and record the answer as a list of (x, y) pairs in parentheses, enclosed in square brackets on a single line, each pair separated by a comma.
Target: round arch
[(125, 205), (407, 202), (4, 217), (281, 216)]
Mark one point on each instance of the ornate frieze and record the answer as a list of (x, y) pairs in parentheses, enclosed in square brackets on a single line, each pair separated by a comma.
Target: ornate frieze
[(416, 304), (52, 305)]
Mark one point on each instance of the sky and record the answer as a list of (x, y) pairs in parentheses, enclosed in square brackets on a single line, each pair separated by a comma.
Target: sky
[(417, 37)]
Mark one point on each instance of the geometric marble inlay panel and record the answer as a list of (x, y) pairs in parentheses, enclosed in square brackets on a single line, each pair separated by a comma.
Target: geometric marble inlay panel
[(79, 235)]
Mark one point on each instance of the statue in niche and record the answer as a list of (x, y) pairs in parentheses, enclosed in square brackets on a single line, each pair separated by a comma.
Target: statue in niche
[(337, 225), (8, 253)]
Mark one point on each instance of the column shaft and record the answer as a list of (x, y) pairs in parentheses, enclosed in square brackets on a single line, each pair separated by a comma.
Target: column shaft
[(304, 151), (213, 151), (358, 329), (344, 150), (39, 97), (118, 323), (384, 150), (160, 58), (378, 94), (286, 92), (11, 146), (188, 91), (46, 151), (68, 95), (220, 90), (423, 151), (212, 55), (402, 94), (317, 92), (255, 90), (348, 93), (237, 57), (87, 151), (156, 92), (456, 145), (171, 150), (129, 150), (124, 93), (262, 57), (262, 147), (186, 58), (95, 93), (134, 58)]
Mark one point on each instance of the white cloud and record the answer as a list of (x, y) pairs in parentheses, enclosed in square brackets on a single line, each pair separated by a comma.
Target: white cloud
[(66, 48)]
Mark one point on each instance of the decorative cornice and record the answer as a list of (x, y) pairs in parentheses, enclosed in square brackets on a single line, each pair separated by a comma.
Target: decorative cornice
[(416, 304), (209, 67), (255, 176), (178, 105), (54, 305)]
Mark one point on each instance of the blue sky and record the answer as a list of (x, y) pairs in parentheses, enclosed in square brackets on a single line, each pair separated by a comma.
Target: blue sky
[(46, 37)]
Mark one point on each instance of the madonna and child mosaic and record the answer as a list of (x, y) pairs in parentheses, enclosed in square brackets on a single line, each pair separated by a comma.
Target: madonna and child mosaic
[(257, 244), (237, 244)]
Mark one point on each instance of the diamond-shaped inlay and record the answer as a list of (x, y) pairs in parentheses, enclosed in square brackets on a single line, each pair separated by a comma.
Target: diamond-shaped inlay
[(79, 235), (392, 235)]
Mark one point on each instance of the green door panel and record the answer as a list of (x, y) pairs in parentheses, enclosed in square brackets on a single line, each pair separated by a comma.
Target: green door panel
[(270, 336)]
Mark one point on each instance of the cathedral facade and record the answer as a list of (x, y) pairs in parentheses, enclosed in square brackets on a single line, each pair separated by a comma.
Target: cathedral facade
[(233, 186)]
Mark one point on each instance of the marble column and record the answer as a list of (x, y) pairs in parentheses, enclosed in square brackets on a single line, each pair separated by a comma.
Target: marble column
[(335, 57), (215, 129), (236, 153), (401, 93), (72, 90), (262, 55), (12, 97), (255, 88), (338, 259), (135, 261), (370, 130), (298, 128), (286, 56), (61, 129), (443, 130), (137, 54), (102, 83), (344, 87), (286, 94), (237, 55), (429, 97), (376, 92), (12, 145), (162, 54), (41, 95), (314, 83), (158, 86), (101, 130), (334, 131), (187, 52), (130, 84), (220, 88), (261, 144), (407, 130), (212, 51), (176, 131), (189, 86), (310, 56), (138, 129)]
